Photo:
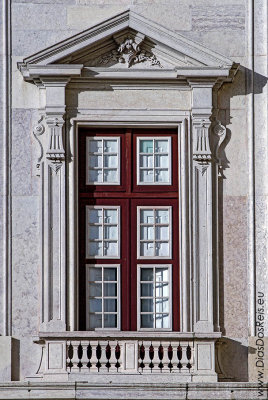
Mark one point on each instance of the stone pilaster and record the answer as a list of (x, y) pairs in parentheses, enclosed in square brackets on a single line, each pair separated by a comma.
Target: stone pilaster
[(53, 209)]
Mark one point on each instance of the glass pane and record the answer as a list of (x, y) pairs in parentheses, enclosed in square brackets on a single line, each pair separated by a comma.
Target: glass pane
[(147, 305), (110, 161), (95, 305), (146, 146), (161, 146), (110, 175), (111, 146), (95, 248), (162, 305), (95, 161), (110, 274), (161, 274), (147, 321), (111, 249), (162, 290), (147, 233), (110, 320), (161, 161), (110, 289), (95, 146), (147, 274), (162, 233), (162, 321), (110, 216), (162, 216), (110, 305), (146, 161), (162, 249), (161, 175), (95, 232), (147, 216), (146, 176), (95, 216), (95, 175), (147, 249), (110, 232), (95, 289), (95, 321), (94, 274), (147, 290)]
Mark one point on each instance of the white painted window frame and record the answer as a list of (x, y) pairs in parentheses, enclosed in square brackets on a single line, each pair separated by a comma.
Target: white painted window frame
[(117, 138), (168, 138), (104, 207), (169, 208), (154, 266), (118, 267)]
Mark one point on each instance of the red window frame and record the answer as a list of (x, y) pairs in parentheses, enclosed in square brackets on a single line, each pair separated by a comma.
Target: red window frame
[(128, 196)]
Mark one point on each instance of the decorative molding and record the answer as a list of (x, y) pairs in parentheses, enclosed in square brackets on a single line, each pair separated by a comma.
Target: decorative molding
[(130, 53), (201, 142), (55, 153)]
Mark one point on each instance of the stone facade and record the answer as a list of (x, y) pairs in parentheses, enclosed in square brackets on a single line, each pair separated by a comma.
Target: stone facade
[(227, 104)]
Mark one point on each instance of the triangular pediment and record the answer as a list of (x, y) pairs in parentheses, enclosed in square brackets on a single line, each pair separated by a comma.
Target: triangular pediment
[(129, 41)]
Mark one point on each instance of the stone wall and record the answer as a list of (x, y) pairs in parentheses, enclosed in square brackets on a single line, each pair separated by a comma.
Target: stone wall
[(223, 26)]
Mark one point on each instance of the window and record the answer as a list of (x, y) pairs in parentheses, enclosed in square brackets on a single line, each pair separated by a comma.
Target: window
[(103, 300), (154, 232), (103, 231), (128, 229), (103, 164), (154, 294), (154, 161)]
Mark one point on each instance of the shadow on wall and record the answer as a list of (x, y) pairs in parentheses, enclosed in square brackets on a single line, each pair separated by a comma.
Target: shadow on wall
[(232, 360), (232, 354)]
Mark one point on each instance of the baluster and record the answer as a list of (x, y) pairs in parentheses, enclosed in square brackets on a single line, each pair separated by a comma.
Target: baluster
[(117, 356), (98, 355), (108, 356), (179, 355), (188, 355), (70, 354), (141, 356), (80, 355), (160, 356), (151, 355), (89, 355), (170, 356)]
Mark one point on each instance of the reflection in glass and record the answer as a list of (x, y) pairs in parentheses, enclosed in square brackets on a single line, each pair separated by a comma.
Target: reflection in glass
[(110, 320), (110, 274), (95, 321), (147, 274), (147, 321), (147, 290)]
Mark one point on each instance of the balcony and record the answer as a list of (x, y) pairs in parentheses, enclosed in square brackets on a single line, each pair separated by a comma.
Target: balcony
[(127, 357)]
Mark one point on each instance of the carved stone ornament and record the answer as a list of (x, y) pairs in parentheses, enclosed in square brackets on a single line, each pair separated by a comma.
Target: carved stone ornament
[(129, 53), (201, 145), (38, 130), (219, 131), (55, 153)]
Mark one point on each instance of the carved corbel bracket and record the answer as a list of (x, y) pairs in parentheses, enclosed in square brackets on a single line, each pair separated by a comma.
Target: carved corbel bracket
[(219, 135)]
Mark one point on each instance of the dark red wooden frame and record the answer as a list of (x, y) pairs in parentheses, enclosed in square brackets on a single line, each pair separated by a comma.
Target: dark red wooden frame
[(128, 196)]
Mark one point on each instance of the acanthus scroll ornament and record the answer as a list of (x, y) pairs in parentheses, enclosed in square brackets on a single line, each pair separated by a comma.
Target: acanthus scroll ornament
[(130, 53)]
